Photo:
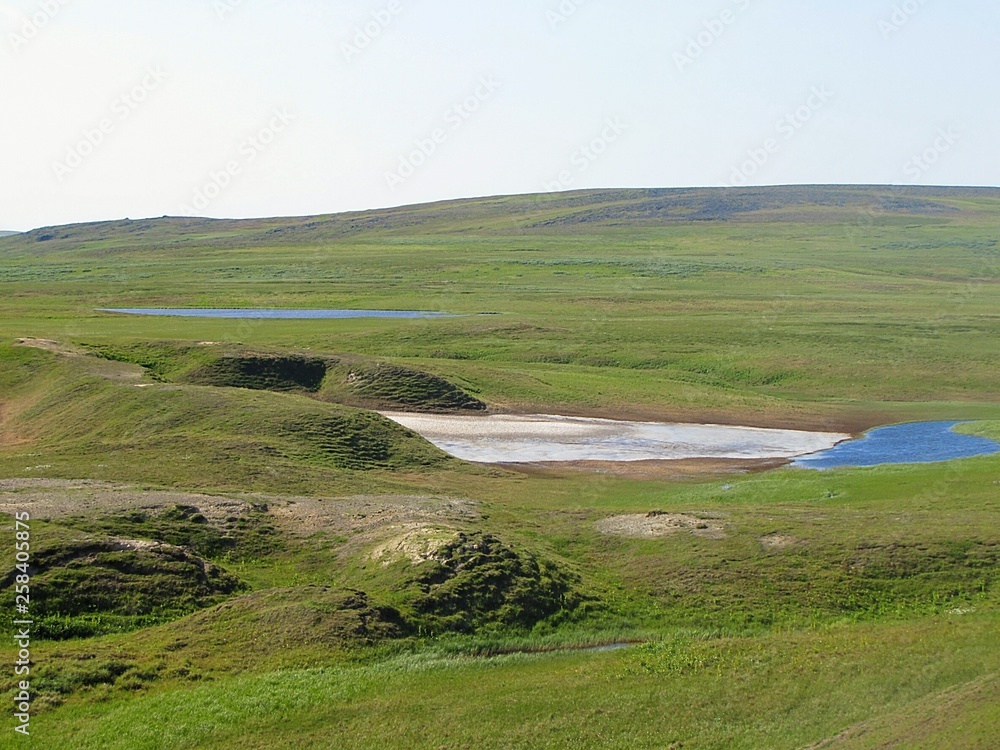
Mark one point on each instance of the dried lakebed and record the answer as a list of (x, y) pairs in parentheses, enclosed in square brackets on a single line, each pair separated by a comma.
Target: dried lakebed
[(504, 438)]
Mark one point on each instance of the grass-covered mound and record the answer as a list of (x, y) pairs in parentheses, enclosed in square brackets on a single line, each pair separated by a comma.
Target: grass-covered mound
[(349, 379), (263, 372), (249, 536), (278, 623), (83, 587), (271, 629), (164, 361), (382, 385), (219, 364), (478, 582), (79, 425)]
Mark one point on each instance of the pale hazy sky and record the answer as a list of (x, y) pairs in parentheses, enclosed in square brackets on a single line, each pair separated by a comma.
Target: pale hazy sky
[(236, 108)]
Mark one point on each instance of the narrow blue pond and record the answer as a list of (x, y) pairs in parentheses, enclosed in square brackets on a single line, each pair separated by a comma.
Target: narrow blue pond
[(194, 312), (911, 443)]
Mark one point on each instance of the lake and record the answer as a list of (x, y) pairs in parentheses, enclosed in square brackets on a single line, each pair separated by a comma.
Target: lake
[(193, 312), (910, 443), (508, 438), (535, 438)]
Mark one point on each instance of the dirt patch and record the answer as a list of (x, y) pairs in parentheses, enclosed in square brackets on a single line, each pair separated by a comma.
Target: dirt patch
[(58, 499), (136, 545), (366, 518), (654, 470), (104, 368), (384, 528), (659, 524), (778, 541), (49, 345), (370, 516), (416, 543), (834, 420)]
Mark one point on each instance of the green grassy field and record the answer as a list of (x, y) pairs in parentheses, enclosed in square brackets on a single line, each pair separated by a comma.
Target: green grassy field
[(356, 587)]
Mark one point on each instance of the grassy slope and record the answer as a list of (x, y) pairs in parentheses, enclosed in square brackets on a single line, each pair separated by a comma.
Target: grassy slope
[(352, 380), (836, 307), (776, 693), (851, 312), (67, 422)]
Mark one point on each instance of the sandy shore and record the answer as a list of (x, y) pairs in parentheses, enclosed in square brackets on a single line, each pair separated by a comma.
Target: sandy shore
[(534, 438)]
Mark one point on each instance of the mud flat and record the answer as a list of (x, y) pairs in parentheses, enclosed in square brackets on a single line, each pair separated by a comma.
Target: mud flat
[(504, 438)]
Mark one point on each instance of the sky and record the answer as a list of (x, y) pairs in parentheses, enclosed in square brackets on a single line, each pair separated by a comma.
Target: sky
[(243, 108)]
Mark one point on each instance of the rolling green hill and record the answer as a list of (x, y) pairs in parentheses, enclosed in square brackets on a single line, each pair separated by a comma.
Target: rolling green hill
[(110, 425), (233, 549), (541, 214), (812, 305)]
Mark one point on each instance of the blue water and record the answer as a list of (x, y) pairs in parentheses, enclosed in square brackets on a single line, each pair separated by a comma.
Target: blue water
[(193, 312), (911, 443)]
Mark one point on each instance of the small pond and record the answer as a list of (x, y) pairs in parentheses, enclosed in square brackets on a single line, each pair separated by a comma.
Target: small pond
[(911, 443), (194, 312)]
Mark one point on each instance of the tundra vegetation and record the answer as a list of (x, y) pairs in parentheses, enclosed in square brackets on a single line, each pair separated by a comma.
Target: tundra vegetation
[(231, 547)]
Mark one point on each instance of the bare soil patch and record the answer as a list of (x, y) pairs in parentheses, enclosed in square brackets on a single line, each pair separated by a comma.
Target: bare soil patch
[(363, 519), (654, 470), (778, 541), (370, 515), (417, 543), (659, 524), (60, 498), (782, 417), (105, 368), (49, 345), (385, 528)]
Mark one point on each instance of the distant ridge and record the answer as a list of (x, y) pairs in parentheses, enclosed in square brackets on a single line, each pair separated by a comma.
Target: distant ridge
[(7, 234), (542, 213)]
